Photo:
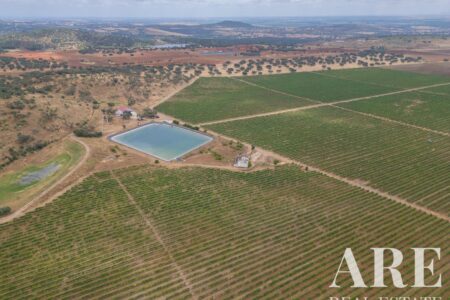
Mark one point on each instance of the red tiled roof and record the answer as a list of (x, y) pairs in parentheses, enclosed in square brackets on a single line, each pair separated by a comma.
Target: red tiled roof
[(124, 108)]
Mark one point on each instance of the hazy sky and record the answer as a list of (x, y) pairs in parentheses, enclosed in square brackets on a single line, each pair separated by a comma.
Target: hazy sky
[(219, 8)]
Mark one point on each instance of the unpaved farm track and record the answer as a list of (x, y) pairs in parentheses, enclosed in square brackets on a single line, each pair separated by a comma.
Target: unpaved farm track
[(335, 104), (21, 211), (176, 91), (156, 234), (323, 104), (355, 183), (394, 121), (316, 104)]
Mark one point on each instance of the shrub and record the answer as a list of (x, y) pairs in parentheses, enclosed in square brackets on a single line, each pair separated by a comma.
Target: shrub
[(191, 126), (85, 131), (5, 210), (23, 138), (149, 113), (18, 104)]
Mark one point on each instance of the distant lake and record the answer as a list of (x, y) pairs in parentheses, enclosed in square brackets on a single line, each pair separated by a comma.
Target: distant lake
[(226, 53), (169, 46)]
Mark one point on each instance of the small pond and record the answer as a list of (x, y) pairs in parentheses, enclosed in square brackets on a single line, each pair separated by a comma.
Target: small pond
[(162, 140), (38, 175)]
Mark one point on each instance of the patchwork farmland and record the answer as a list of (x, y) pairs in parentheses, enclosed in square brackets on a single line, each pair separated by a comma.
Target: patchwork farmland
[(218, 98), (152, 232), (400, 160), (384, 129), (147, 232), (319, 86)]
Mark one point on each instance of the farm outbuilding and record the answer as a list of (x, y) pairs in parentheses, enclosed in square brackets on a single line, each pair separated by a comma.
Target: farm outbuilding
[(122, 109), (242, 161)]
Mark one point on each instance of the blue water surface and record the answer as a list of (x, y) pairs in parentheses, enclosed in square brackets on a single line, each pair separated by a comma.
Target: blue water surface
[(164, 141)]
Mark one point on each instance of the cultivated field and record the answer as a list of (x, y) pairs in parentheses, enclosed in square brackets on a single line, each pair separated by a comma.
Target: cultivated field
[(210, 99), (277, 233), (215, 99), (427, 108), (388, 78), (443, 90), (385, 129), (403, 161), (151, 232), (319, 86)]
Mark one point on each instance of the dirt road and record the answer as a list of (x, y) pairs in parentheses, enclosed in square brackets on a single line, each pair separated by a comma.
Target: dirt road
[(352, 182), (334, 104), (40, 196), (155, 233)]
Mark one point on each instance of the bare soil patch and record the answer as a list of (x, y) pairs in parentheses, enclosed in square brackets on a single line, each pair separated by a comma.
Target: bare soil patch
[(164, 57), (438, 68)]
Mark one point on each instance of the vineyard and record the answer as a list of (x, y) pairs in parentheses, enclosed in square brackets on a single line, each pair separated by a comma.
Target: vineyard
[(417, 108), (214, 99), (321, 86), (388, 78), (403, 161), (210, 99), (146, 232), (443, 90), (152, 232)]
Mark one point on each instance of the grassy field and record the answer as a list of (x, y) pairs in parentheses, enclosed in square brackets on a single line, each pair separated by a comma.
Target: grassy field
[(211, 99), (264, 235), (417, 108), (14, 194), (402, 161)]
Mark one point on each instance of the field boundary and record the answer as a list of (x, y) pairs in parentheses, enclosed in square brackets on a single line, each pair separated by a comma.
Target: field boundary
[(352, 182), (335, 104), (274, 90), (176, 91), (158, 237), (393, 121), (272, 113)]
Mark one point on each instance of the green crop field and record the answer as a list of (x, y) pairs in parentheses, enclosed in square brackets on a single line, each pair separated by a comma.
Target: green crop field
[(417, 108), (211, 99), (403, 161), (389, 78), (441, 90), (318, 87), (147, 232), (213, 233)]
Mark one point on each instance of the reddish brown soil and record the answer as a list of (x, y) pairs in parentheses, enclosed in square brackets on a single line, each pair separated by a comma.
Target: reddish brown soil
[(442, 68), (150, 58), (162, 57), (432, 56)]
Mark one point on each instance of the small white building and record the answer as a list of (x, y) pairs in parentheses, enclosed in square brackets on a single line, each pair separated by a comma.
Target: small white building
[(242, 161)]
